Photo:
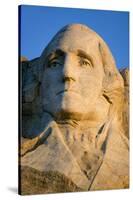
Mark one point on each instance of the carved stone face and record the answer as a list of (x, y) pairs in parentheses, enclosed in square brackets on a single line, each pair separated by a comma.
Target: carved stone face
[(73, 75)]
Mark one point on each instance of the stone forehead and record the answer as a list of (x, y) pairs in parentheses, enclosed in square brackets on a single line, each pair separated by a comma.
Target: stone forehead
[(76, 27), (75, 31), (67, 32)]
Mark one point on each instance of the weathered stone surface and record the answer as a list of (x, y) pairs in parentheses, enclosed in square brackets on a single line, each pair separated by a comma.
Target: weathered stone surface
[(37, 182), (125, 74), (74, 116)]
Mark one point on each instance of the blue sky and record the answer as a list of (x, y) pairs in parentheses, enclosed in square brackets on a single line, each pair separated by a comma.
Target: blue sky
[(39, 24)]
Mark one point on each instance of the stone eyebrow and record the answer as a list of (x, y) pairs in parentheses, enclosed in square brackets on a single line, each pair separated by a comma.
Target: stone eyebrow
[(56, 53), (53, 55), (83, 54)]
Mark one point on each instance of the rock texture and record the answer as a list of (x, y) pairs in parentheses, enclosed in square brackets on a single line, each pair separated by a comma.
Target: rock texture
[(37, 182), (74, 117), (125, 74)]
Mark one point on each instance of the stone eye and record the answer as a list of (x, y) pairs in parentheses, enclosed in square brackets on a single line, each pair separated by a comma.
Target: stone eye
[(85, 62), (54, 63)]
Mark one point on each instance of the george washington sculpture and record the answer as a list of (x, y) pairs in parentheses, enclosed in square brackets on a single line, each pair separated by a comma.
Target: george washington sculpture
[(72, 116)]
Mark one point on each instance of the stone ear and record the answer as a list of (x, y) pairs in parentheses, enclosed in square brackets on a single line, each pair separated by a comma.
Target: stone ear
[(112, 79)]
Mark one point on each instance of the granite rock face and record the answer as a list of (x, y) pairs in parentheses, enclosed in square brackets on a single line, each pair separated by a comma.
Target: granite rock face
[(125, 74), (74, 116)]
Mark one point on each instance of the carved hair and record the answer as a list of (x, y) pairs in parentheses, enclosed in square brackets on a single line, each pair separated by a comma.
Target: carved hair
[(113, 84)]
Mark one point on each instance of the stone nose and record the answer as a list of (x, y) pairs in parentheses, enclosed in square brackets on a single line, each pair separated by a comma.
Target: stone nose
[(69, 73)]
